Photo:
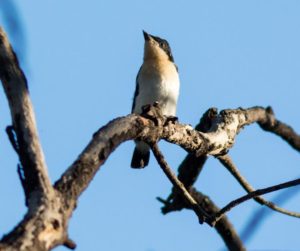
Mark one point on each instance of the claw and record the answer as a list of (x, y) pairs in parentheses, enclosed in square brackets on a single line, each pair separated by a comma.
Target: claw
[(171, 119), (153, 112)]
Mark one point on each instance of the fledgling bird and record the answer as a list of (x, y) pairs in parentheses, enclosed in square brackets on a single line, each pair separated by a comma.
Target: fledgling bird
[(157, 81)]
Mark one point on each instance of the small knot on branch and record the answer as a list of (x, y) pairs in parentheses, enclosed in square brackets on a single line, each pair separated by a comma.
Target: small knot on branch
[(207, 120), (171, 205), (68, 243)]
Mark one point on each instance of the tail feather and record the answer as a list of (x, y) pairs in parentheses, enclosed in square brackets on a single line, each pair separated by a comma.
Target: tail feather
[(140, 159)]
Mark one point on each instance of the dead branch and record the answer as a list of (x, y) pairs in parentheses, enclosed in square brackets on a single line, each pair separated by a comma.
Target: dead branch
[(40, 195), (228, 163), (287, 133), (23, 121), (191, 166), (219, 139), (202, 215), (188, 172), (260, 215), (223, 226), (252, 195)]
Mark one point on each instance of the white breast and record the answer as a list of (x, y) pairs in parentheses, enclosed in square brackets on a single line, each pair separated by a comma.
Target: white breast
[(158, 83)]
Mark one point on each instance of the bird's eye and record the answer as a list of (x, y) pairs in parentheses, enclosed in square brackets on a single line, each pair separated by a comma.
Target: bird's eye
[(162, 44)]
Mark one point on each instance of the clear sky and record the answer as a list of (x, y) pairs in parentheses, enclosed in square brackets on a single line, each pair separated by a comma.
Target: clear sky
[(81, 61)]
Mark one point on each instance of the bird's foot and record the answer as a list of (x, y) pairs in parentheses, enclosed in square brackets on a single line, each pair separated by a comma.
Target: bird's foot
[(153, 112)]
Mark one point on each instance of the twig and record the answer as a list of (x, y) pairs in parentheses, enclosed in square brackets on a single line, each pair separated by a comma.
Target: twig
[(228, 163), (252, 195), (70, 244), (202, 215), (255, 221)]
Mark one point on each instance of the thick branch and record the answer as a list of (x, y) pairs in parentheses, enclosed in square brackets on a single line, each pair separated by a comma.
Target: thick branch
[(44, 225), (23, 120), (149, 129), (78, 176)]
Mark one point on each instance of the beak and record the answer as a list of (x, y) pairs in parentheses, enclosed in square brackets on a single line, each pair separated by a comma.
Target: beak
[(146, 36)]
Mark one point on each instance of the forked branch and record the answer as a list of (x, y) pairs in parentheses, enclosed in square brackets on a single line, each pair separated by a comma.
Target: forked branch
[(228, 163)]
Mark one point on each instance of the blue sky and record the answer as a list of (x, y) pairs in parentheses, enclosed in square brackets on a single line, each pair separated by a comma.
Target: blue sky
[(81, 63)]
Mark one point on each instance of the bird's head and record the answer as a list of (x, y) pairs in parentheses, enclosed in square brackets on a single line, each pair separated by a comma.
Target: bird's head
[(157, 48)]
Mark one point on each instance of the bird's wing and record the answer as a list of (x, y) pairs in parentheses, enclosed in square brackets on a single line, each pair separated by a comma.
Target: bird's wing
[(136, 92)]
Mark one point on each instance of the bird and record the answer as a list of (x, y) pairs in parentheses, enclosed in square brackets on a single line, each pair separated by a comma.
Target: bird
[(156, 81)]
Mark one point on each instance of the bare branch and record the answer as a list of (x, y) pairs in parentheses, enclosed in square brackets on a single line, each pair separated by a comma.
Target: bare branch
[(188, 172), (271, 124), (228, 163), (262, 213), (202, 215), (78, 176), (44, 225), (218, 140), (223, 226), (252, 195), (70, 244), (23, 120), (191, 166)]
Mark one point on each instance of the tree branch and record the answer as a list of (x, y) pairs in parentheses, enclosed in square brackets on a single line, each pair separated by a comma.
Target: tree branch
[(43, 226), (218, 140), (223, 226), (227, 162), (271, 124), (188, 173), (252, 195), (202, 215), (260, 215), (150, 128), (23, 120), (191, 166)]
